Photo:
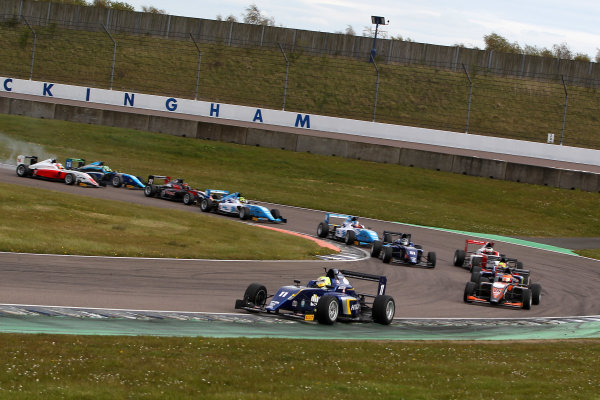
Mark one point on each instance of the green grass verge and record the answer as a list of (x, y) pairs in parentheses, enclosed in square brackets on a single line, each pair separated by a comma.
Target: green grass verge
[(44, 221), (409, 94), (384, 191), (591, 253), (52, 367)]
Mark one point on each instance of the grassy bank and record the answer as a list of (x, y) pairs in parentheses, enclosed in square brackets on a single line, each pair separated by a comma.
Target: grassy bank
[(43, 221), (383, 191), (52, 367), (409, 94)]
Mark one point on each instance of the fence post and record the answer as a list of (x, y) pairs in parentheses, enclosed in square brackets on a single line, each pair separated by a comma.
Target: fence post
[(32, 48), (376, 87), (112, 68), (287, 69), (198, 69), (230, 33), (262, 35), (470, 93), (562, 131)]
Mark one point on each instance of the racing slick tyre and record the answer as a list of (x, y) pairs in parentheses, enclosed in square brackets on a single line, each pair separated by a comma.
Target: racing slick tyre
[(526, 299), (255, 295), (459, 258), (475, 262), (431, 259), (384, 309), (536, 293), (275, 213), (387, 238), (476, 274), (327, 310), (150, 190), (519, 265), (116, 181), (206, 205), (188, 199), (469, 291), (323, 229), (387, 254), (69, 179), (23, 170), (350, 237), (244, 213), (376, 249)]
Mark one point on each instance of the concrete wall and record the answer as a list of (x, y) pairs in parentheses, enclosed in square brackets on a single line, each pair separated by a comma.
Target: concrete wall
[(42, 13), (474, 166)]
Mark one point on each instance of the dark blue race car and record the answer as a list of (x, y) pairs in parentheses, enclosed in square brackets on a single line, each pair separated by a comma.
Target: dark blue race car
[(328, 299), (397, 247), (104, 175)]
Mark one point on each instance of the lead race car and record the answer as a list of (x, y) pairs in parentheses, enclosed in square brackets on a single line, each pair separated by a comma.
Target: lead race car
[(28, 166), (234, 204), (347, 229), (327, 299), (397, 247), (103, 174)]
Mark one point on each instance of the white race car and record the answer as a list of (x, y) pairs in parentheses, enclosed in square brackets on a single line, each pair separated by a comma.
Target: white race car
[(28, 166)]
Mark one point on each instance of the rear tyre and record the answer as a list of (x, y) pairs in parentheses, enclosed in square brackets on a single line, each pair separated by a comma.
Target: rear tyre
[(350, 237), (327, 310), (244, 213), (69, 179), (519, 265), (188, 199), (431, 259), (476, 274), (469, 291), (387, 254), (206, 205), (387, 238), (116, 181), (22, 170), (526, 293), (536, 293), (459, 258), (376, 249), (256, 295), (150, 190), (384, 309), (323, 230)]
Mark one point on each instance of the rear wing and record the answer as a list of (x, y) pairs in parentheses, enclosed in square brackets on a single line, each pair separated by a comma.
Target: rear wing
[(380, 279), (344, 217), (21, 159), (477, 242), (151, 178), (392, 234), (71, 163)]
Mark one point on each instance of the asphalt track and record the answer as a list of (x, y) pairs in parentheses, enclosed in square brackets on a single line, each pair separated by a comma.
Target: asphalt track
[(570, 283)]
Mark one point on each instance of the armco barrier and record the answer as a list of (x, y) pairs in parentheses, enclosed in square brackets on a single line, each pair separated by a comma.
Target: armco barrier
[(475, 166)]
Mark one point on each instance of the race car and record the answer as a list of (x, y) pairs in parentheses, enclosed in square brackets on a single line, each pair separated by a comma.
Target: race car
[(28, 166), (509, 288), (508, 267), (347, 229), (397, 247), (103, 174), (476, 253), (234, 204), (327, 299), (169, 189)]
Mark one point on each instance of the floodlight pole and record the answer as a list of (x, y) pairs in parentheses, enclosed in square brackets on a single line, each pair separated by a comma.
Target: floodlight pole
[(377, 21)]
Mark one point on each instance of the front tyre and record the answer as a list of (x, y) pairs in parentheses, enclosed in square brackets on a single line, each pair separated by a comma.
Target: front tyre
[(327, 310), (459, 258), (384, 309), (527, 300), (244, 213), (69, 179), (376, 249), (188, 199), (256, 295), (469, 291), (536, 293), (116, 181), (387, 254), (350, 237), (431, 259)]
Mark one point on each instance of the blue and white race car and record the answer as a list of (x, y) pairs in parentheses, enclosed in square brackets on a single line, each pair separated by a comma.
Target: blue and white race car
[(347, 229), (327, 299), (223, 202), (397, 247), (103, 174)]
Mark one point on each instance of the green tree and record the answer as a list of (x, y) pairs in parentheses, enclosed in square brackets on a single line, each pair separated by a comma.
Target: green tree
[(254, 16), (495, 42), (153, 10), (562, 51)]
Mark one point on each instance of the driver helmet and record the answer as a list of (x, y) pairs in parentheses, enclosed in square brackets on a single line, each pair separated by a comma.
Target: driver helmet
[(404, 241), (242, 199), (506, 278), (323, 281), (59, 166)]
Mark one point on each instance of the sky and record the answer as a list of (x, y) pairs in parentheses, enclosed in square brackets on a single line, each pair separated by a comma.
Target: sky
[(539, 23)]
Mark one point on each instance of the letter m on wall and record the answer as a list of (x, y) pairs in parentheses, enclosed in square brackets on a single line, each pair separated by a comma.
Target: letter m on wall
[(300, 122)]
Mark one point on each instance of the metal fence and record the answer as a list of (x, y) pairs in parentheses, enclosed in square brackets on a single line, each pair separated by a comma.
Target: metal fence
[(290, 74)]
